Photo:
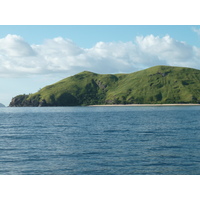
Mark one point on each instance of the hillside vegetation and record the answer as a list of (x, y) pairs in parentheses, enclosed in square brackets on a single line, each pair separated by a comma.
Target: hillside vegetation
[(155, 85)]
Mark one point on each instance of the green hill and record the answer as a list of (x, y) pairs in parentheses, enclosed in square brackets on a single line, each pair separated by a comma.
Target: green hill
[(155, 85)]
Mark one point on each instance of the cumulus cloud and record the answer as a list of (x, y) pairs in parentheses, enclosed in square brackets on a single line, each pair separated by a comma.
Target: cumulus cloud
[(165, 50), (59, 55), (15, 46)]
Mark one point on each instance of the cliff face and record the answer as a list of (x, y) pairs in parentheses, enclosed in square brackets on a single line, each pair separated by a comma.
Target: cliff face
[(159, 84), (21, 101)]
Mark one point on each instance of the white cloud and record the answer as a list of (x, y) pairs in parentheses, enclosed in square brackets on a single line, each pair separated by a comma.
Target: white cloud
[(15, 46), (59, 55), (165, 50)]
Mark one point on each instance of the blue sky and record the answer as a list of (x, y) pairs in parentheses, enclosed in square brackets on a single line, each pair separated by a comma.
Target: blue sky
[(88, 35), (32, 57)]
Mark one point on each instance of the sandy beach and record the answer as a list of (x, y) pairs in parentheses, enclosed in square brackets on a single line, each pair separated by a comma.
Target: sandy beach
[(148, 105)]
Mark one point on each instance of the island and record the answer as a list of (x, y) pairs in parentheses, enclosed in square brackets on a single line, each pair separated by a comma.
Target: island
[(155, 85)]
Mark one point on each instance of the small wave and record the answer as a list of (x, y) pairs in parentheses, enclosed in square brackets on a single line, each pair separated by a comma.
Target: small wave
[(116, 131), (171, 147)]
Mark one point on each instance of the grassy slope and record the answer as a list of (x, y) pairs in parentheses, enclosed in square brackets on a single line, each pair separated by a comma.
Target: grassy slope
[(159, 84)]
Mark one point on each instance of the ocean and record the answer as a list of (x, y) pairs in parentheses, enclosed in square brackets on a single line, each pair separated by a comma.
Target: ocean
[(150, 140)]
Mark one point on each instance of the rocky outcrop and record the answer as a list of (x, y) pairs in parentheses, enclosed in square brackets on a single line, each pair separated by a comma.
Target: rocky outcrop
[(18, 101), (23, 101)]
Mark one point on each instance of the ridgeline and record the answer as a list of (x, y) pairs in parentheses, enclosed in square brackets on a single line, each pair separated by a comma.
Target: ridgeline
[(155, 85)]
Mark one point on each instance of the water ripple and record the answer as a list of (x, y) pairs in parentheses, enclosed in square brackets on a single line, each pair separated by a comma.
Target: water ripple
[(89, 140)]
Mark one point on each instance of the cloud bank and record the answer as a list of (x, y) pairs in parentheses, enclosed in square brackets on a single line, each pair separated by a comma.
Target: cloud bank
[(59, 55)]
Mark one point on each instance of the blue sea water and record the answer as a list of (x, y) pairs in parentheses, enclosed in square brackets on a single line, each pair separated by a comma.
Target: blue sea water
[(100, 140)]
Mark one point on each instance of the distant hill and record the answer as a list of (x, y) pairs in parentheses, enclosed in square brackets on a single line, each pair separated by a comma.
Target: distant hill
[(1, 105), (155, 85)]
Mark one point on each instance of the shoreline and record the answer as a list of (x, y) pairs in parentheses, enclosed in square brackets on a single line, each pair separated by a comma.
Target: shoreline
[(109, 105)]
